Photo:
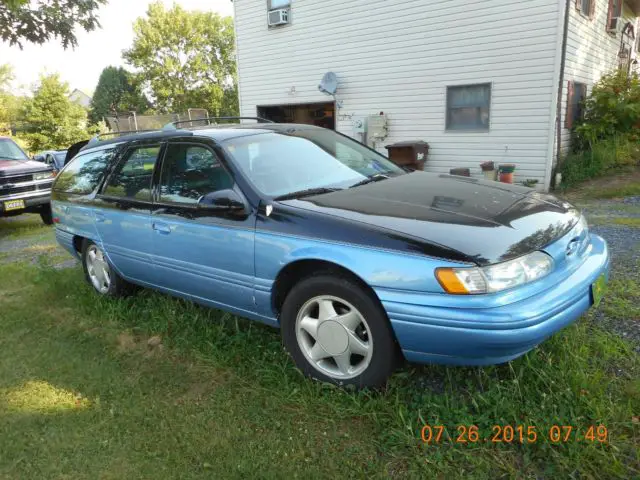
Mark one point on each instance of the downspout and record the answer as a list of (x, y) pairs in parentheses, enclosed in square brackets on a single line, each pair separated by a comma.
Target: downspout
[(563, 60)]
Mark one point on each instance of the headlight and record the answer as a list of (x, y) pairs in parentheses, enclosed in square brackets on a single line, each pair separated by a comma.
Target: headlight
[(43, 175), (495, 278)]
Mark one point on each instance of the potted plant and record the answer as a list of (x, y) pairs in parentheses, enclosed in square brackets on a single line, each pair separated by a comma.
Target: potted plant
[(488, 170), (505, 172)]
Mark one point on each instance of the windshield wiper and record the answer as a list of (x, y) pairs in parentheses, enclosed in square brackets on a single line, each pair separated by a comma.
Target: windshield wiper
[(376, 177), (306, 193)]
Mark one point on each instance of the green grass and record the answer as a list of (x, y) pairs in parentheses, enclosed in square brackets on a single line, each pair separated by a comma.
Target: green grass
[(23, 226), (84, 395)]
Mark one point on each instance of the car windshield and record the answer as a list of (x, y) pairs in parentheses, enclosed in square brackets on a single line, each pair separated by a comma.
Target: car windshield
[(9, 150), (279, 163)]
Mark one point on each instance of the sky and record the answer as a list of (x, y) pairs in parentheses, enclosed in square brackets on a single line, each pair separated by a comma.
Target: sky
[(81, 66)]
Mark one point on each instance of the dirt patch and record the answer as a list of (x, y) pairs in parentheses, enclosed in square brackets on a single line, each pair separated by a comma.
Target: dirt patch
[(596, 187)]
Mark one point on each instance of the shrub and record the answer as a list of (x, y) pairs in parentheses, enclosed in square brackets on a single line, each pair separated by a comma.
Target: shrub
[(612, 108), (605, 155)]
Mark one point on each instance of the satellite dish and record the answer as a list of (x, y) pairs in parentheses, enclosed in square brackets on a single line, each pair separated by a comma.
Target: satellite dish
[(329, 83)]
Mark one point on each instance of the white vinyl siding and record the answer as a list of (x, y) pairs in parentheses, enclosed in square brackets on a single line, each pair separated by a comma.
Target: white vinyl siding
[(399, 57), (591, 53)]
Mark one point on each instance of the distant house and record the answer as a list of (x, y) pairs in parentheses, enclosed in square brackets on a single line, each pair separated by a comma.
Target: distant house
[(479, 80), (81, 98)]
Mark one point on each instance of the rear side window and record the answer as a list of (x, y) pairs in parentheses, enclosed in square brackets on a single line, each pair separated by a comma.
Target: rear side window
[(133, 177), (189, 172), (83, 174)]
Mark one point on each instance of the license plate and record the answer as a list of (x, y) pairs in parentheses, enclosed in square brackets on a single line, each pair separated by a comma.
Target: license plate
[(598, 288), (13, 205)]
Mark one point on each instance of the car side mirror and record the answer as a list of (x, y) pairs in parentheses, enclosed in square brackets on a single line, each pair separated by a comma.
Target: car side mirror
[(223, 201)]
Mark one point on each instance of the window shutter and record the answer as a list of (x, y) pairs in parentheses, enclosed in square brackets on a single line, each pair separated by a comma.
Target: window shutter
[(579, 5), (568, 117), (592, 9), (610, 15)]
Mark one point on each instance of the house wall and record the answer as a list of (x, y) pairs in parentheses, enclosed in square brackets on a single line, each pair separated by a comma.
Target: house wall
[(591, 52), (399, 57)]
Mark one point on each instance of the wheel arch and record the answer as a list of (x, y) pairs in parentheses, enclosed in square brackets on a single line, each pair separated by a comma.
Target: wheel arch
[(295, 271)]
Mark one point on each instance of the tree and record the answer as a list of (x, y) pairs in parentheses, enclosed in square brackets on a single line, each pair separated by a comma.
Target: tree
[(52, 121), (186, 59), (117, 91), (9, 104), (38, 21)]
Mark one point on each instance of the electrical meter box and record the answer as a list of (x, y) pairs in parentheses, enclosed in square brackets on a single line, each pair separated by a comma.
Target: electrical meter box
[(359, 124), (377, 127)]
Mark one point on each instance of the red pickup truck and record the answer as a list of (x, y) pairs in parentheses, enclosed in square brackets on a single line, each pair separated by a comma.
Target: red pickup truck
[(25, 185)]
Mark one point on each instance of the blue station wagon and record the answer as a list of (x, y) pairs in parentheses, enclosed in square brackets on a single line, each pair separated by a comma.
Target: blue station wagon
[(357, 261)]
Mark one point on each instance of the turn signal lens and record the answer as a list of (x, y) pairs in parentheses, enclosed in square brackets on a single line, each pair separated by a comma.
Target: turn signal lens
[(461, 281)]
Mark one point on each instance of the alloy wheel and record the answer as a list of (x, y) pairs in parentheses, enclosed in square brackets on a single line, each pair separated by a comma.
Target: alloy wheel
[(334, 337)]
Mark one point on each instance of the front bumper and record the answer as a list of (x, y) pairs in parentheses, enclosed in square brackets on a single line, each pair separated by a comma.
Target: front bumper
[(32, 202), (500, 330)]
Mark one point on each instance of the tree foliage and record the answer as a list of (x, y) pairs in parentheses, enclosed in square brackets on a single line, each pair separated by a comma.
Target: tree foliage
[(117, 91), (186, 59), (38, 21), (51, 120), (9, 104)]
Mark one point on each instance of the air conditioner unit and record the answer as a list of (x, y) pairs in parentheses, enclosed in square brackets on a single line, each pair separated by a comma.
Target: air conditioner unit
[(278, 17)]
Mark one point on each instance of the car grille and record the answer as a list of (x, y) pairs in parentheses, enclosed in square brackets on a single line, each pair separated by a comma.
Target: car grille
[(16, 179), (14, 190)]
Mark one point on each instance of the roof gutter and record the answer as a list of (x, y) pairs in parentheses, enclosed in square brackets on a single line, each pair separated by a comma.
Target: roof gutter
[(563, 61)]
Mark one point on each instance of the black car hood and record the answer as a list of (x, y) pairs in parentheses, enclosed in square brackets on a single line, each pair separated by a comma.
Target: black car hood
[(17, 167), (486, 222)]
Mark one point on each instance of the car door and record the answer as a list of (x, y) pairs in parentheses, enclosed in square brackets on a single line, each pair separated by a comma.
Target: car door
[(123, 212), (202, 253)]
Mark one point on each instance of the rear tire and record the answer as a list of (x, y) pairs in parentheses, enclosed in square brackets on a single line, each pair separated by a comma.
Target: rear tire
[(46, 216), (100, 274), (336, 331)]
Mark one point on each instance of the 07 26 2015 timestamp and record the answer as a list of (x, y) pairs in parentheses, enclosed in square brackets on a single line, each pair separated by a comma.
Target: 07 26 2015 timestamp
[(522, 434)]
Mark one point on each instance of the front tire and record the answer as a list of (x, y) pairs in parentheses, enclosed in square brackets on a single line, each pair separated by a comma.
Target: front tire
[(336, 331), (99, 273)]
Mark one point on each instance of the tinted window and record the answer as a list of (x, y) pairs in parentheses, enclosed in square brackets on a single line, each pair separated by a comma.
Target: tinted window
[(189, 172), (132, 179), (307, 158), (83, 174), (10, 150)]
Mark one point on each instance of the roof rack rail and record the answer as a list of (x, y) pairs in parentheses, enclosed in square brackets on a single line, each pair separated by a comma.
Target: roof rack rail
[(97, 138), (173, 125)]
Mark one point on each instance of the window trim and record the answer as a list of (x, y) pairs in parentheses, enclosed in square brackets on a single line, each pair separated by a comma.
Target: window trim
[(447, 123), (192, 206), (122, 157)]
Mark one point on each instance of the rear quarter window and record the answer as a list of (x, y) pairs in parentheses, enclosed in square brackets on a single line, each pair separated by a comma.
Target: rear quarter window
[(83, 174)]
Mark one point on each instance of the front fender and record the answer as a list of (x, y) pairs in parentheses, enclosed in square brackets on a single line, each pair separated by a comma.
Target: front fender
[(377, 267)]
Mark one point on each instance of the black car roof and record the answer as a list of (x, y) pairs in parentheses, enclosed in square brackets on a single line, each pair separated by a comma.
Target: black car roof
[(218, 133)]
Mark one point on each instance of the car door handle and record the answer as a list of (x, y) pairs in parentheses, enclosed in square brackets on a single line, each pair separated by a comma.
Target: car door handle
[(161, 228), (100, 218)]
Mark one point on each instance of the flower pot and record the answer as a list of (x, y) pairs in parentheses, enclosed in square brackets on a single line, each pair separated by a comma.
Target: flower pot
[(506, 177), (489, 175)]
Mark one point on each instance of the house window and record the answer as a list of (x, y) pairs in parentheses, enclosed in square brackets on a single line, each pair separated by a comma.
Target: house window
[(613, 17), (468, 107), (586, 7), (576, 95), (275, 4)]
